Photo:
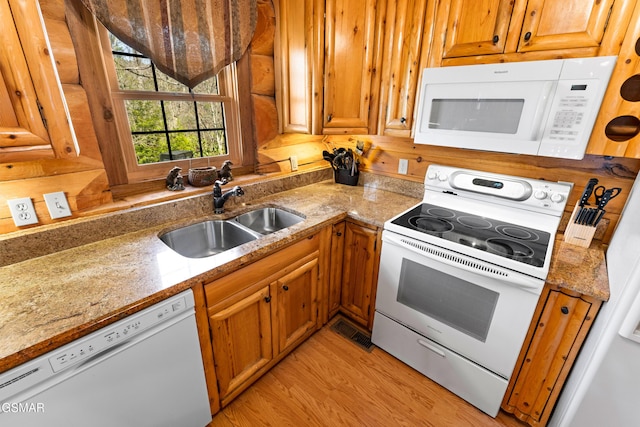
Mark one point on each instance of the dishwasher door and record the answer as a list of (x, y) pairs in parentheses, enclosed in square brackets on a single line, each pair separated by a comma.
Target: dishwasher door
[(150, 376)]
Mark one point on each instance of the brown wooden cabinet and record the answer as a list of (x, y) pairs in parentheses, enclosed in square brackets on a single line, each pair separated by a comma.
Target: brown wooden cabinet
[(259, 313), (408, 31), (328, 63), (504, 30), (359, 272), (560, 325), (34, 121)]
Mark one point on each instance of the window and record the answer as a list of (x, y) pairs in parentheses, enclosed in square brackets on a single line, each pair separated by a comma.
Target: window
[(162, 123)]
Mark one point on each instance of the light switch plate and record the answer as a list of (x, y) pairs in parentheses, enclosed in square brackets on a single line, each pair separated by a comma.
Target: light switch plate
[(22, 211), (57, 204), (403, 166)]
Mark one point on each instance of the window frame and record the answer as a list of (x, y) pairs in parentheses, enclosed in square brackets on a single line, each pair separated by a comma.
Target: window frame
[(228, 95)]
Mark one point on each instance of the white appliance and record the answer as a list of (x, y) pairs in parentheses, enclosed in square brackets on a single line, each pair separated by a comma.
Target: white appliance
[(460, 277), (144, 370), (603, 387), (544, 108)]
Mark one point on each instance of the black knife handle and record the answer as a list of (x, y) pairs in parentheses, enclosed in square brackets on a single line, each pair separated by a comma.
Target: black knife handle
[(588, 190)]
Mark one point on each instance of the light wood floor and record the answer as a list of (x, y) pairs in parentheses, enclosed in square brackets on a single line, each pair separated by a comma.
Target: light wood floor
[(330, 381)]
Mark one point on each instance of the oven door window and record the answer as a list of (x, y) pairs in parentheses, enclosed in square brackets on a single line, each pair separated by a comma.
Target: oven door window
[(457, 303)]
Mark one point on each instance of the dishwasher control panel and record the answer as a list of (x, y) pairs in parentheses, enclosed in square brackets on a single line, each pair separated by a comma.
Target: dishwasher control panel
[(113, 335)]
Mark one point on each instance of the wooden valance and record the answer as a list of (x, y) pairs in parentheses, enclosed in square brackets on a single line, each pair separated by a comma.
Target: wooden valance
[(189, 40)]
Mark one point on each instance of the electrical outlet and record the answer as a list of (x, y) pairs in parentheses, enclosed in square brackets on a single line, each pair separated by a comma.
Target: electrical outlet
[(294, 163), (57, 204), (403, 166), (22, 211)]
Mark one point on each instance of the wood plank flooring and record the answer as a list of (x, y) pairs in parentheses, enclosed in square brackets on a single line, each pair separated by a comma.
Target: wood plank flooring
[(330, 381)]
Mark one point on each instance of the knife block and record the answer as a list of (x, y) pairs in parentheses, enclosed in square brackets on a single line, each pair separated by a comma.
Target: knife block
[(576, 234)]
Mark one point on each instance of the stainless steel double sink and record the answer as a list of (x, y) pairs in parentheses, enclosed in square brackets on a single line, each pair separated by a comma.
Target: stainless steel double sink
[(212, 237)]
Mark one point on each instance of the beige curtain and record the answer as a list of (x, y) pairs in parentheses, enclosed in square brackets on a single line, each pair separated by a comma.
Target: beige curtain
[(189, 40)]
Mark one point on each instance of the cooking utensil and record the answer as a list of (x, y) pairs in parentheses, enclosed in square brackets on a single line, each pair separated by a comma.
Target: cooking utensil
[(603, 199), (584, 200)]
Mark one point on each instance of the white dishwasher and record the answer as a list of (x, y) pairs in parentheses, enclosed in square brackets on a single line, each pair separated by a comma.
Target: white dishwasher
[(144, 370)]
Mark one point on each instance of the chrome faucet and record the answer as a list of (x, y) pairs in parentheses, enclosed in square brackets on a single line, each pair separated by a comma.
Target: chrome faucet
[(219, 198)]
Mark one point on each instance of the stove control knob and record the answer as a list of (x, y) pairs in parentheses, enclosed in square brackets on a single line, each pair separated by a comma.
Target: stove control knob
[(432, 175), (557, 197), (540, 195), (443, 177)]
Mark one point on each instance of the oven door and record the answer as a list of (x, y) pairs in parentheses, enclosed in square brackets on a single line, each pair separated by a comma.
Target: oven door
[(475, 309)]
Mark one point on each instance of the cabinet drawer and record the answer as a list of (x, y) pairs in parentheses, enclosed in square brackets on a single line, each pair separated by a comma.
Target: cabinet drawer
[(441, 365)]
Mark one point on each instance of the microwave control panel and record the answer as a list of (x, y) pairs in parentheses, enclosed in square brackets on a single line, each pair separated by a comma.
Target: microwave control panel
[(570, 119)]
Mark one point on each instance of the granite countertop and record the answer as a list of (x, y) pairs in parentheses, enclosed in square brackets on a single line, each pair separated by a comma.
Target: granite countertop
[(53, 299), (583, 270), (119, 266)]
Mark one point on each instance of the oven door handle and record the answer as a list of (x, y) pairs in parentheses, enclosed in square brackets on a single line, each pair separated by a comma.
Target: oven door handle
[(431, 347), (526, 283)]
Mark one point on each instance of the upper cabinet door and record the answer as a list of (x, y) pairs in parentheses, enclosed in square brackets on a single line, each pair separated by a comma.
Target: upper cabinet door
[(350, 64), (568, 24), (299, 65), (477, 27), (34, 121), (407, 38)]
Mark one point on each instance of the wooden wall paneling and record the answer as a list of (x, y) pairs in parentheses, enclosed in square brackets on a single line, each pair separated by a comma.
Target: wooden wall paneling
[(262, 75), (82, 189), (83, 31), (52, 9), (273, 156), (63, 50)]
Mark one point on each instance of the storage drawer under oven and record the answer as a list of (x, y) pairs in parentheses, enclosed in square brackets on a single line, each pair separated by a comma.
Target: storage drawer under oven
[(466, 379)]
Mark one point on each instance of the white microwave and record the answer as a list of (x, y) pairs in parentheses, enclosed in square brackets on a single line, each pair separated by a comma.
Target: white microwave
[(544, 108)]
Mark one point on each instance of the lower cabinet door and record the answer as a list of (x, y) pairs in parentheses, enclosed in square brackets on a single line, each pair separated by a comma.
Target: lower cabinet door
[(241, 338), (297, 303)]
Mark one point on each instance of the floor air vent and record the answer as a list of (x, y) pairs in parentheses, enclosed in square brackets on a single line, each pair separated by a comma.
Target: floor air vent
[(353, 334)]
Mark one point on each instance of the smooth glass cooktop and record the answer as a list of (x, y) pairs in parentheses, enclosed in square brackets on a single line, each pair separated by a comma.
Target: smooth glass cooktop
[(522, 244)]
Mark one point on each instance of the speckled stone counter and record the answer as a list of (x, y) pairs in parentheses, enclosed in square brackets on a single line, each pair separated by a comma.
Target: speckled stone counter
[(53, 299), (583, 270), (73, 278)]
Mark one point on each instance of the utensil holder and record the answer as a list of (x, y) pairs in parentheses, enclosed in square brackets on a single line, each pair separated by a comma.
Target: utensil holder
[(576, 234), (201, 177), (343, 176)]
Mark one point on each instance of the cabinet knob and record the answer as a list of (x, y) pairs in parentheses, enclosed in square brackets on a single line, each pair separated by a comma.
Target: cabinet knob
[(496, 39), (527, 36), (564, 310), (339, 234), (285, 287), (403, 120), (329, 117), (267, 299)]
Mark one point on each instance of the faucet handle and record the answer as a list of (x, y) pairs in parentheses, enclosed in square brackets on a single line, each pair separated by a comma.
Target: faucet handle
[(238, 191)]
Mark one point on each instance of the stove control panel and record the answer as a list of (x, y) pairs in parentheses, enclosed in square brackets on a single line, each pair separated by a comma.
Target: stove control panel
[(544, 196)]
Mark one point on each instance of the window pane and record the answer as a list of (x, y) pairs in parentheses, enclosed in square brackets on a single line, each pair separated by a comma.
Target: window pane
[(184, 145), (134, 73), (181, 115), (214, 143), (149, 147), (210, 115), (144, 116)]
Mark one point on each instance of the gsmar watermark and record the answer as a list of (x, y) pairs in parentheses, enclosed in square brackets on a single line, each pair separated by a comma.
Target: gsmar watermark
[(22, 407)]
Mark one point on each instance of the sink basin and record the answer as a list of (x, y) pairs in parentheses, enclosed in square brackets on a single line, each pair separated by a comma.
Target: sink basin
[(268, 220), (207, 238)]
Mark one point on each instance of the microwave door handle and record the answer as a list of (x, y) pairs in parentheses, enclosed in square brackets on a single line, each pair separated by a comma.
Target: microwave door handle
[(542, 111), (521, 281)]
